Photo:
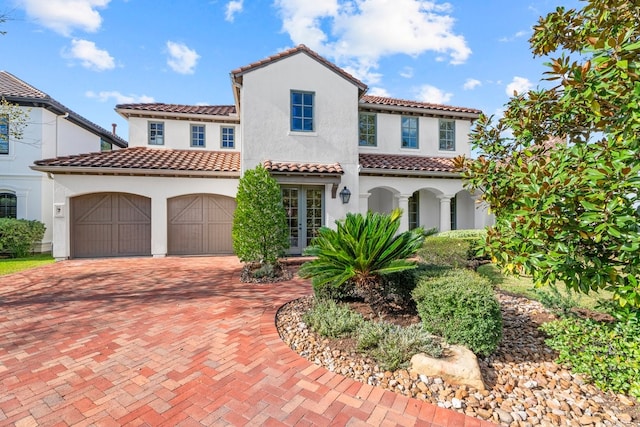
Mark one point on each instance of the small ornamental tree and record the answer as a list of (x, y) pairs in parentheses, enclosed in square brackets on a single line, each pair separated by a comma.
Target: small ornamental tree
[(568, 211), (259, 222)]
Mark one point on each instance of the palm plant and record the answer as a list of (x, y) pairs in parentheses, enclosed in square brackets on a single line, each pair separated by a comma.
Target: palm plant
[(359, 251)]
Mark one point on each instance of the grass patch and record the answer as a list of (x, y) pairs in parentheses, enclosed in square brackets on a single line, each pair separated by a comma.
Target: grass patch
[(523, 286), (14, 265)]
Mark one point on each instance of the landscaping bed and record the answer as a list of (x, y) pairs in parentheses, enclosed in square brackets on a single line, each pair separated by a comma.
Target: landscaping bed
[(524, 386)]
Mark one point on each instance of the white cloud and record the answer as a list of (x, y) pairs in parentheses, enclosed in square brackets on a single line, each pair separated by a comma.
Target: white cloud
[(378, 91), (63, 16), (181, 59), (471, 84), (518, 85), (407, 72), (357, 33), (232, 8), (514, 36), (119, 98), (89, 55), (433, 95)]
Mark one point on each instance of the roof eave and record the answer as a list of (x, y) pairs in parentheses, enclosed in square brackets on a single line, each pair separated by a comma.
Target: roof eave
[(407, 172), (72, 170), (129, 112), (423, 111)]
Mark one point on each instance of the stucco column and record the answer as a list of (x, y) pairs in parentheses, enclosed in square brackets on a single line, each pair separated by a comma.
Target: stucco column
[(159, 227), (403, 203), (364, 203), (445, 212)]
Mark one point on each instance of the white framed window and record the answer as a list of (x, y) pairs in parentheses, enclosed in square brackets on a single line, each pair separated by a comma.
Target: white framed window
[(367, 129), (4, 135), (447, 135), (227, 137), (409, 132), (197, 135), (156, 133), (302, 111)]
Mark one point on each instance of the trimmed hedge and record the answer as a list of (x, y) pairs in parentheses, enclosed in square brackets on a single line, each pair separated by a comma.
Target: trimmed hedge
[(459, 305), (18, 236), (454, 248)]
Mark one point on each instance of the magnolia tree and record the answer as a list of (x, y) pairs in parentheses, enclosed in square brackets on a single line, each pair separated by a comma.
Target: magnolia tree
[(14, 118), (561, 169)]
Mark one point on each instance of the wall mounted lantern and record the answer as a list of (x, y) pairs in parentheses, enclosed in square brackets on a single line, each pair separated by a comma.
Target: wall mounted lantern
[(345, 195)]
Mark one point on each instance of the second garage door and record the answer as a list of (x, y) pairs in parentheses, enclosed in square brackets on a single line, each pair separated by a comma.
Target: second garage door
[(200, 224)]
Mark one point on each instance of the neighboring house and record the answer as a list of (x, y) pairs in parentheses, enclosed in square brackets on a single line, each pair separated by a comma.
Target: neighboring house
[(307, 121), (51, 130)]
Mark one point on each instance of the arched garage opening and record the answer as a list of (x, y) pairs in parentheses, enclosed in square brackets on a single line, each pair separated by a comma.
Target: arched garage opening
[(110, 225), (200, 224)]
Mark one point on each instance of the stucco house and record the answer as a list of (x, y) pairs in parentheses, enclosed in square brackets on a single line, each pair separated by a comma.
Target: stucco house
[(51, 130), (172, 192)]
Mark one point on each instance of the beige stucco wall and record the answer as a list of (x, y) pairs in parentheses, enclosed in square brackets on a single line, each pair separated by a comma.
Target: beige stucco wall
[(265, 117), (159, 189), (178, 134), (389, 131)]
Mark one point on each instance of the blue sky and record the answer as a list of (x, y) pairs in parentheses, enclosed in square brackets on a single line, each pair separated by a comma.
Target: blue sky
[(93, 54)]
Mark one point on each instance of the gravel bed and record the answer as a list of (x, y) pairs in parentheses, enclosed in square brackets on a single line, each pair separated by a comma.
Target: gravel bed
[(525, 387)]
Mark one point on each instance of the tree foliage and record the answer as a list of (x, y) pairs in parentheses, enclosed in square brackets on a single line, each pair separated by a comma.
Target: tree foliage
[(15, 117), (360, 250), (259, 223), (561, 169)]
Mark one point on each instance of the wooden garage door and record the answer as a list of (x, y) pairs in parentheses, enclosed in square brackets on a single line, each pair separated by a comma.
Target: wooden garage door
[(110, 224), (200, 224)]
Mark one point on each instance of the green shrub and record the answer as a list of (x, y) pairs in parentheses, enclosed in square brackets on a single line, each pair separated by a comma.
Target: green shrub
[(465, 234), (554, 300), (259, 229), (445, 251), (392, 346), (18, 236), (476, 239), (459, 305), (331, 319), (608, 353), (336, 293)]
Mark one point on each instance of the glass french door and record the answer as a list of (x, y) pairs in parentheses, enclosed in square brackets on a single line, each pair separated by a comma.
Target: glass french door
[(304, 206)]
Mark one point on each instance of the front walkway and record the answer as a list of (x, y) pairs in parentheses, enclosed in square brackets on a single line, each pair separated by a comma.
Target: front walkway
[(172, 341)]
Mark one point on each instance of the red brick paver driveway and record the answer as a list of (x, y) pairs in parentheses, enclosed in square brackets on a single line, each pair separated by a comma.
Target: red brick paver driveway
[(173, 341)]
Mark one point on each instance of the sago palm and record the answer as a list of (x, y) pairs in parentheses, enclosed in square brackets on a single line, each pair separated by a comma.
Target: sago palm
[(360, 250)]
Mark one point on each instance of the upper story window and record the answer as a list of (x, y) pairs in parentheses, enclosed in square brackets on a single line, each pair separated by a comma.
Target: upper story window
[(8, 205), (447, 135), (197, 135), (4, 135), (367, 127), (302, 111), (156, 133), (228, 137), (409, 132), (105, 146)]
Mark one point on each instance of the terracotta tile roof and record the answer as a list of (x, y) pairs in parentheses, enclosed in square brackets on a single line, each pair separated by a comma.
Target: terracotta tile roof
[(19, 92), (328, 168), (210, 110), (10, 85), (238, 72), (401, 163), (381, 100), (145, 159)]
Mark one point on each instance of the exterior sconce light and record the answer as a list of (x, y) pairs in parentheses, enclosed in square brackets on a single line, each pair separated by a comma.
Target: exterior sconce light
[(345, 195)]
